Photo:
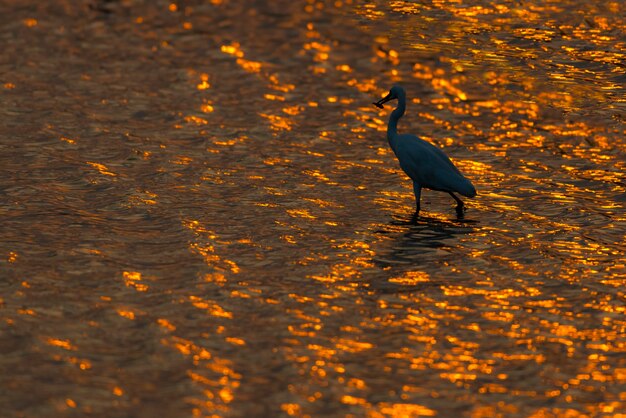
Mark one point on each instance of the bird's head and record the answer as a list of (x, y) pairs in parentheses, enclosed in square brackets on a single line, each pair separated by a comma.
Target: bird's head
[(394, 93)]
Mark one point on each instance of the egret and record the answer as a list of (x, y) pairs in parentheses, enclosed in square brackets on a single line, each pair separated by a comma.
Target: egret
[(428, 166)]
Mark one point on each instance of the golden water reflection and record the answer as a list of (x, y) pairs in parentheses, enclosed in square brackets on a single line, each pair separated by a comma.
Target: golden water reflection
[(202, 216)]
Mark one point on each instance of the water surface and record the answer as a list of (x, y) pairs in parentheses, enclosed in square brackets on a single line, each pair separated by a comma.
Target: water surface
[(201, 215)]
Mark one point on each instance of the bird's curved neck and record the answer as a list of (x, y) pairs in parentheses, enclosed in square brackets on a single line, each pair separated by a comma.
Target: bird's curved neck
[(392, 127)]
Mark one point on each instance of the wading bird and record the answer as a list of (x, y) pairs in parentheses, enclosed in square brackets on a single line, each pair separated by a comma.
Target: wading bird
[(424, 163)]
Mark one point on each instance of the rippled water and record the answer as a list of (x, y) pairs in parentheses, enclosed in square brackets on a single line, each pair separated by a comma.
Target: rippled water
[(201, 215)]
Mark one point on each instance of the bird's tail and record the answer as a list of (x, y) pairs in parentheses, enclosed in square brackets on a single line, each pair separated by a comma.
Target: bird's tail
[(466, 188)]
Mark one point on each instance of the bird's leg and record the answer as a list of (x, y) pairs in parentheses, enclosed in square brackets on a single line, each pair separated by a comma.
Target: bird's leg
[(460, 207), (417, 189)]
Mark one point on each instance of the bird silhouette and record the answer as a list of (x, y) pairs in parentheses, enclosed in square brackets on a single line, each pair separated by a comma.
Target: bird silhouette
[(428, 166)]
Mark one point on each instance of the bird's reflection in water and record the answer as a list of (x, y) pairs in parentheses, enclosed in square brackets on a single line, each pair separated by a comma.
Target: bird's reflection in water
[(424, 239), (425, 243)]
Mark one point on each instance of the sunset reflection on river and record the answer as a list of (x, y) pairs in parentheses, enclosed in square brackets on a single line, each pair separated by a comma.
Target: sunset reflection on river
[(201, 215)]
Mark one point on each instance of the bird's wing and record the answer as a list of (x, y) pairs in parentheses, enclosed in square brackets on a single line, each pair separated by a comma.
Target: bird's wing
[(428, 165)]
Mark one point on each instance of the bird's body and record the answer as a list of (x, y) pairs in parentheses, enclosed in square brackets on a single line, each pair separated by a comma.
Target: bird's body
[(428, 166)]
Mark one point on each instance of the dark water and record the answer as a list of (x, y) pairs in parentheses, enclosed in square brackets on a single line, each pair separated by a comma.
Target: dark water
[(200, 215)]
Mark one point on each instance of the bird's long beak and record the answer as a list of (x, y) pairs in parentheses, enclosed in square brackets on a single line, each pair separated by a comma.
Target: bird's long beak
[(382, 101)]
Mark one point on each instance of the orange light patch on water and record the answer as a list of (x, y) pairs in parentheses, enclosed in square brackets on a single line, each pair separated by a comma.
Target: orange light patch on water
[(208, 252), (292, 110), (232, 49), (182, 160), (214, 375), (352, 346), (197, 227), (276, 161), (356, 383), (187, 347), (204, 81), (405, 410), (143, 197), (128, 314), (448, 87), (65, 344), (289, 238), (316, 174), (81, 363), (235, 341), (344, 67), (317, 46), (249, 66), (353, 400), (226, 394), (292, 409), (133, 279), (235, 50), (210, 306), (322, 203), (166, 324), (102, 169), (231, 142), (275, 84), (300, 213), (321, 56), (278, 123), (364, 85), (411, 278), (197, 120), (30, 22)]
